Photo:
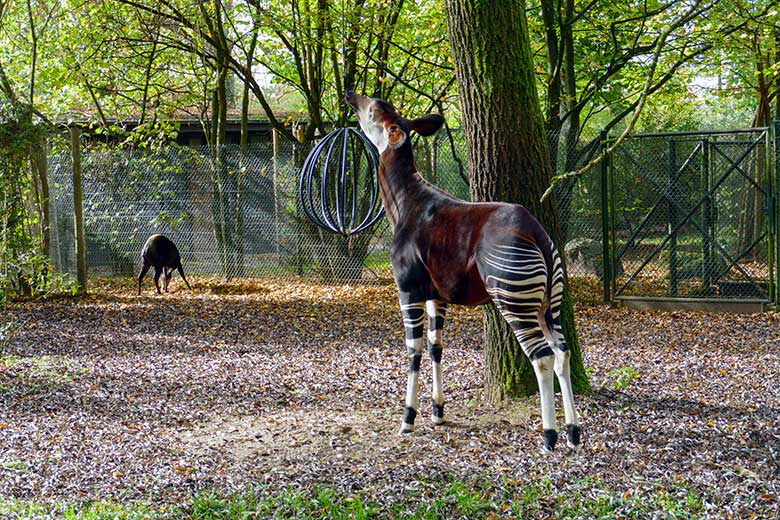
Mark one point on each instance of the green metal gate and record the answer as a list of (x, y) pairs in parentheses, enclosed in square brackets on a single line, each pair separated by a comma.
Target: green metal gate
[(693, 215)]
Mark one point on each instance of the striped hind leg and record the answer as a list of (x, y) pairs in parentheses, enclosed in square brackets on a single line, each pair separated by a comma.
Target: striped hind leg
[(414, 317), (531, 338), (522, 316), (553, 331), (567, 394), (554, 335), (516, 279), (436, 311)]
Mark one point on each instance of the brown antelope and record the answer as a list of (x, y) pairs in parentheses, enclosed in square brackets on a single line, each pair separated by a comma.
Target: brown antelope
[(445, 250)]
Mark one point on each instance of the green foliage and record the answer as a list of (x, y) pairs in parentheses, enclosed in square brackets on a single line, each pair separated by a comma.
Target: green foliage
[(18, 131), (35, 276), (674, 109), (620, 378), (143, 61), (23, 269), (87, 511), (714, 60), (458, 499), (323, 503)]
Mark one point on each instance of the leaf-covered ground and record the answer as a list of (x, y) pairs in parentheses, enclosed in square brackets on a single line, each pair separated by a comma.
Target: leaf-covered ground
[(154, 398)]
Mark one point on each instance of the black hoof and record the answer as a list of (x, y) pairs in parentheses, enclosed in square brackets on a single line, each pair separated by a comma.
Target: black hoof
[(410, 416), (437, 416), (573, 436), (550, 438)]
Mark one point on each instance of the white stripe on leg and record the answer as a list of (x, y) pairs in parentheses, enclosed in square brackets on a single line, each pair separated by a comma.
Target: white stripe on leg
[(544, 376), (436, 311), (414, 316), (414, 350), (564, 380), (563, 372)]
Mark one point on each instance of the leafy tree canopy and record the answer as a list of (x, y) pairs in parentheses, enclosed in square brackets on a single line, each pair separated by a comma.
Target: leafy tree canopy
[(114, 60)]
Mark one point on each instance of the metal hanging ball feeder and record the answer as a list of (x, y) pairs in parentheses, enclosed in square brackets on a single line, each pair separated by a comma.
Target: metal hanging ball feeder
[(339, 189)]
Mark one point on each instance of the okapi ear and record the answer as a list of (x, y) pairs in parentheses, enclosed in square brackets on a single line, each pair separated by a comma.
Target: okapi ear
[(395, 136), (427, 125)]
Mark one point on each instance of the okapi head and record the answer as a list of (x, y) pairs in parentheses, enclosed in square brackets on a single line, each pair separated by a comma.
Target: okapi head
[(384, 126)]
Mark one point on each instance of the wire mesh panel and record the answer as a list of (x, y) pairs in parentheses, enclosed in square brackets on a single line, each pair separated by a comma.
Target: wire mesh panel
[(582, 207), (689, 215), (687, 212), (235, 214), (231, 213)]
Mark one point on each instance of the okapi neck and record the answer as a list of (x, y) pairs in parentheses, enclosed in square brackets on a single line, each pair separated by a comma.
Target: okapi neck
[(398, 182)]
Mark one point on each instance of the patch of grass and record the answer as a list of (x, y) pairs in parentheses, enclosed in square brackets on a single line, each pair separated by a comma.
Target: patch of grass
[(10, 508), (18, 466), (620, 378), (378, 261), (458, 500), (323, 503), (87, 511), (455, 499), (37, 373), (529, 501)]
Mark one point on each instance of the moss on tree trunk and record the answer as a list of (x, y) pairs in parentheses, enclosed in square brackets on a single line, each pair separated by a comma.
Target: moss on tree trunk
[(508, 155)]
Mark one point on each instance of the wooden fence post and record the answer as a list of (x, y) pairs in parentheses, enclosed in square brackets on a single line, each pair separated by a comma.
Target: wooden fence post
[(78, 210), (39, 167)]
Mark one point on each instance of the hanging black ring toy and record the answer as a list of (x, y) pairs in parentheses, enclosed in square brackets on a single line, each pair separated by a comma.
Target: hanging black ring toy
[(336, 172)]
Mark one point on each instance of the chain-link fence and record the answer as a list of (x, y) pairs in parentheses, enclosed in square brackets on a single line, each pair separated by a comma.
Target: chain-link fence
[(687, 213), (692, 214), (233, 214), (236, 214)]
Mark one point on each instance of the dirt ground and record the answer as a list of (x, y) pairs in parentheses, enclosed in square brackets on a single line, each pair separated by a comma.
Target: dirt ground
[(120, 397)]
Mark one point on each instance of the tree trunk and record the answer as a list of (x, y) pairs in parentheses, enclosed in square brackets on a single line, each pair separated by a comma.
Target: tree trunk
[(508, 156), (78, 211), (751, 222), (243, 168), (40, 167)]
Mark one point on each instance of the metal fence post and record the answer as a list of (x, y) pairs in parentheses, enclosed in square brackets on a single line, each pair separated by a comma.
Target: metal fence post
[(275, 160), (605, 194), (707, 224), (774, 213), (671, 178), (614, 259)]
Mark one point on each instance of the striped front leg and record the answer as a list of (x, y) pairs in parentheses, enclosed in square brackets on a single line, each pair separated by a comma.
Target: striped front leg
[(414, 316), (436, 311)]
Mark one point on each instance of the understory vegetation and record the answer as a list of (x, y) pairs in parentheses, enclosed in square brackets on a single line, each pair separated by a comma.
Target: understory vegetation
[(432, 500)]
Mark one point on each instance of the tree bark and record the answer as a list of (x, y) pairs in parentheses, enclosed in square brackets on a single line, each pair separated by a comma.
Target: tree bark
[(508, 156), (78, 211), (40, 167)]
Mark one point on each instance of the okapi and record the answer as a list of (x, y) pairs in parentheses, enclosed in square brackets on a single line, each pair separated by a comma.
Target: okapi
[(159, 251), (448, 251)]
